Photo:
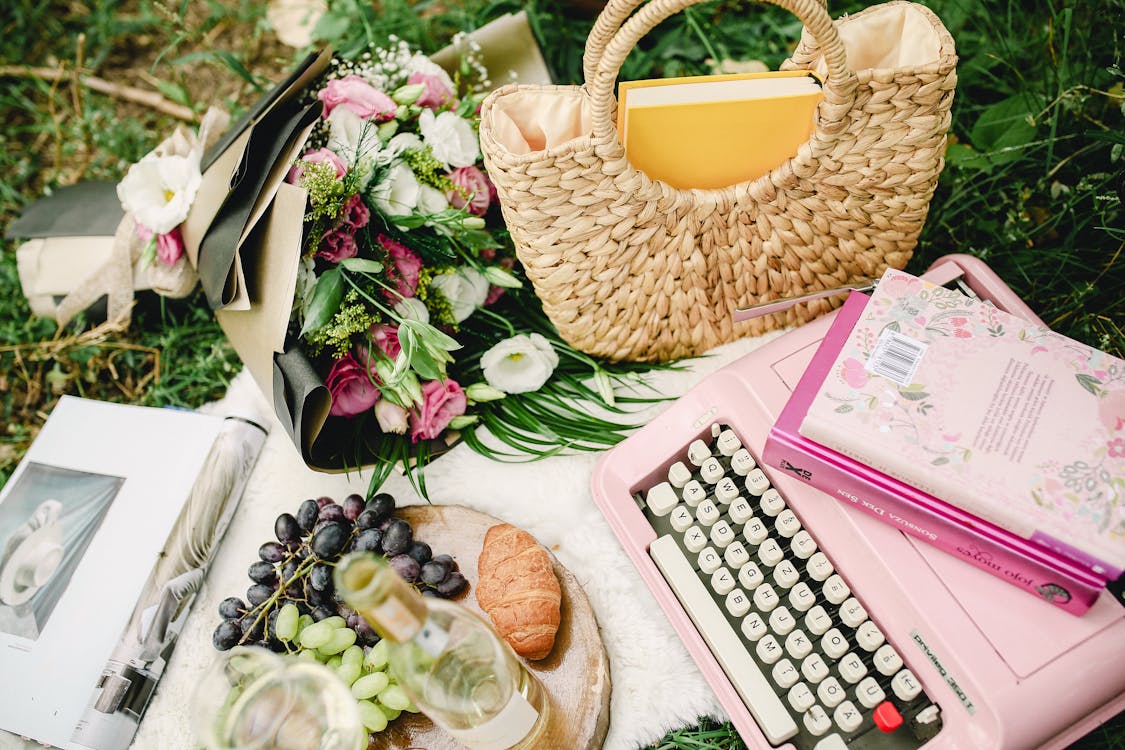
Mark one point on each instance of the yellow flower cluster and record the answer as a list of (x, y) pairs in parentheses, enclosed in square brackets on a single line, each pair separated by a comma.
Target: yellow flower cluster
[(336, 336)]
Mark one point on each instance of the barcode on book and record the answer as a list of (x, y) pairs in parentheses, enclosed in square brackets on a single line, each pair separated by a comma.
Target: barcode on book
[(896, 357)]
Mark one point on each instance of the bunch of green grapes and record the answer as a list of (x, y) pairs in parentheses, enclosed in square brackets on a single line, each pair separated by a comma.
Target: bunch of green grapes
[(364, 670)]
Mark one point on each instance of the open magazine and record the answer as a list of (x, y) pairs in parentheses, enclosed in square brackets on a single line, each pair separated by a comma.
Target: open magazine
[(107, 528)]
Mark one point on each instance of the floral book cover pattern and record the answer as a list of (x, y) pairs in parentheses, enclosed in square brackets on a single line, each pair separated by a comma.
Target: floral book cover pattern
[(1007, 420)]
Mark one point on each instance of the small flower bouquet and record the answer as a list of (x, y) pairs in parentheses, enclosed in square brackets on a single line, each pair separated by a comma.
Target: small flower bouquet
[(409, 302)]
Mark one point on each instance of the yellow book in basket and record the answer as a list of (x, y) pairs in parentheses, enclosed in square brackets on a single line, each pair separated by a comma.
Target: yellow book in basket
[(715, 131)]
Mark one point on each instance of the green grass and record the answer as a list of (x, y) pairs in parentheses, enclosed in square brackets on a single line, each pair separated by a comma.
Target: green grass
[(1033, 183)]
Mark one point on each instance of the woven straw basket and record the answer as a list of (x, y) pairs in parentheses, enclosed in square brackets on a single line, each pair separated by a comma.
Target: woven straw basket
[(631, 268)]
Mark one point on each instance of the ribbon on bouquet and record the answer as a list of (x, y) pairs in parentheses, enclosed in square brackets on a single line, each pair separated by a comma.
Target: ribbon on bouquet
[(115, 278)]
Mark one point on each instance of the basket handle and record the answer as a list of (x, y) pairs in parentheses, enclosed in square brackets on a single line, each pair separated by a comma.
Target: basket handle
[(608, 23), (839, 88)]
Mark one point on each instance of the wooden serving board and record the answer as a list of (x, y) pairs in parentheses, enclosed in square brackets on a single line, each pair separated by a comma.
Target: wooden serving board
[(575, 673)]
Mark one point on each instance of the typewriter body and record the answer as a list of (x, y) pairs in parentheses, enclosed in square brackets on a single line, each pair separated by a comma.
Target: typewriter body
[(884, 642)]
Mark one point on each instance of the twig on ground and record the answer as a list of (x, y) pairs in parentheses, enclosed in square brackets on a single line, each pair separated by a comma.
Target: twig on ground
[(149, 99)]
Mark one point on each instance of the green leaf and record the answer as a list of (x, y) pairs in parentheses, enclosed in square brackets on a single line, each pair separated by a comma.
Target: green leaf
[(1089, 382), (362, 265), (940, 461), (326, 300), (962, 156), (604, 386), (176, 92), (1005, 128), (913, 395), (843, 408)]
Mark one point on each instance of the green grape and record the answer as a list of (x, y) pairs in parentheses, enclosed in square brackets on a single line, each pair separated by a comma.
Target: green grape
[(376, 658), (348, 672), (390, 713), (372, 718), (306, 655), (370, 685), (287, 618), (317, 634), (334, 622), (393, 696), (341, 639), (334, 662), (354, 655), (303, 622)]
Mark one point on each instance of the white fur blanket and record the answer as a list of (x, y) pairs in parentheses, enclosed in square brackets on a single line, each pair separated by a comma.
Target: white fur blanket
[(656, 686)]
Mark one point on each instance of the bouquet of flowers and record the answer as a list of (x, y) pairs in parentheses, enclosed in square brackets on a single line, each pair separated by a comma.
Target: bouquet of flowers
[(409, 301)]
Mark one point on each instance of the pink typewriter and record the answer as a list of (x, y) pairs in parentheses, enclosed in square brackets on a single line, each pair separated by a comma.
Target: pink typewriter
[(820, 628)]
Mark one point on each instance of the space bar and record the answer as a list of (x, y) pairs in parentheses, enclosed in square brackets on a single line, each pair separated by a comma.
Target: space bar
[(757, 693)]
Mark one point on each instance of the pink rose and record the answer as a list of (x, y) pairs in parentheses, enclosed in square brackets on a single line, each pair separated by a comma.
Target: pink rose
[(337, 245), (1111, 410), (473, 191), (359, 96), (441, 402), (854, 373), (351, 388), (405, 265), (1116, 448), (356, 213), (384, 338), (170, 247), (321, 154), (437, 94)]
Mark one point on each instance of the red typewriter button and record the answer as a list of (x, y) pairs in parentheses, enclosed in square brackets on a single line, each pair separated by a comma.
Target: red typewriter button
[(887, 717)]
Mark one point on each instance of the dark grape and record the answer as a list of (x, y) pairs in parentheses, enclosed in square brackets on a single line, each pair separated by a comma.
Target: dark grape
[(307, 513), (453, 585), (434, 572), (331, 512), (386, 522), (231, 608), (353, 506), (288, 570), (344, 610), (368, 519), (262, 572), (406, 566), (271, 624), (446, 560), (370, 540), (383, 505), (227, 635), (272, 552), (321, 577), (365, 633), (253, 628), (420, 551), (287, 529), (397, 537), (258, 593), (329, 542), (322, 501), (321, 613), (431, 593)]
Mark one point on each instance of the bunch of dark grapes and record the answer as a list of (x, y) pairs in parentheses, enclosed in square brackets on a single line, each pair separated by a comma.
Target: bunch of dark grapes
[(298, 567)]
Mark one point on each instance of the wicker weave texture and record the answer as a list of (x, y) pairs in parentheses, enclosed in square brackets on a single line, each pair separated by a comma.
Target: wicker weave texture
[(629, 268)]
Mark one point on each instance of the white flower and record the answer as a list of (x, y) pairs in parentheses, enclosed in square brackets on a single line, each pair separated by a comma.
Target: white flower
[(159, 190), (401, 143), (431, 201), (465, 289), (391, 417), (397, 192), (419, 63), (452, 139), (520, 364), (412, 308), (351, 137)]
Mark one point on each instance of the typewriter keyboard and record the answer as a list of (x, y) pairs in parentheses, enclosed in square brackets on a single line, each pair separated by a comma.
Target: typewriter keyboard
[(801, 650)]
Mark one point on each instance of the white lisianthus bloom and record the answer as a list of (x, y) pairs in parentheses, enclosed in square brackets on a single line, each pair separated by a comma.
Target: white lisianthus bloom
[(422, 64), (159, 190), (465, 289), (451, 138), (431, 201), (397, 192), (412, 308), (351, 137), (391, 417), (398, 145), (520, 364)]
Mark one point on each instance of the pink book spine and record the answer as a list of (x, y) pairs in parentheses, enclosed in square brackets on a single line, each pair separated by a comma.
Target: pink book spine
[(990, 548)]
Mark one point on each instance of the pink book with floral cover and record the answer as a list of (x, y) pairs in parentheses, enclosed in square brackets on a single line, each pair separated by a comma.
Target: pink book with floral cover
[(1005, 419)]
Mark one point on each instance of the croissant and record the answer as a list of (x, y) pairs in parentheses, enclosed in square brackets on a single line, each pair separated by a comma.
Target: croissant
[(518, 590)]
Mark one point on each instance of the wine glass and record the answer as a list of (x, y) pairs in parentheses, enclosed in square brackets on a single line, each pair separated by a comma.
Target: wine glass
[(253, 699)]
